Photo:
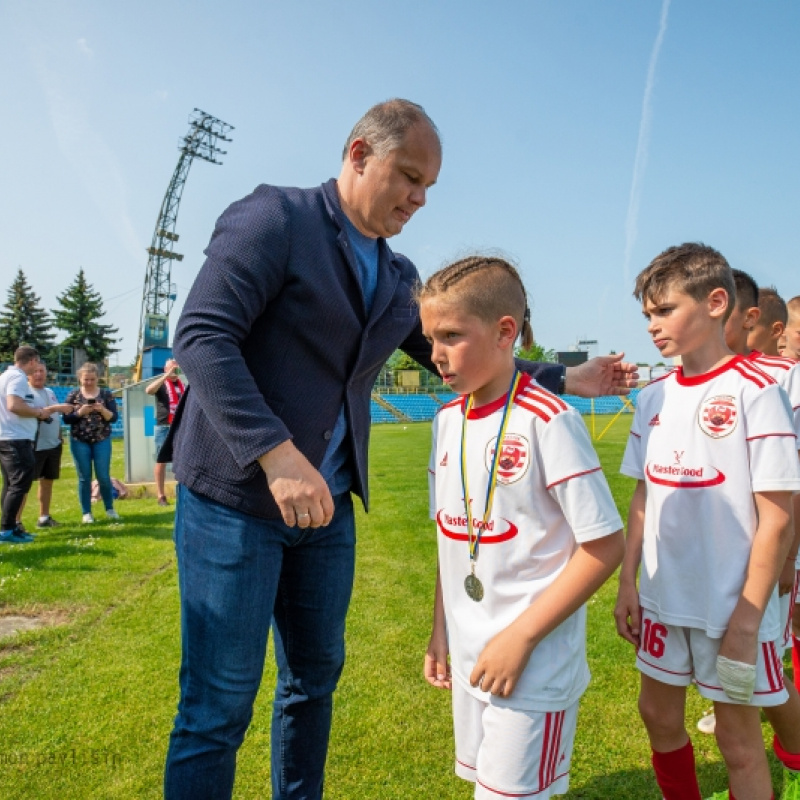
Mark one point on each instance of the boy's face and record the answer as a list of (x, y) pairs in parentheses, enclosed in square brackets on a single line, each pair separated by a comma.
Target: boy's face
[(764, 338), (681, 325), (738, 327), (791, 337), (472, 356)]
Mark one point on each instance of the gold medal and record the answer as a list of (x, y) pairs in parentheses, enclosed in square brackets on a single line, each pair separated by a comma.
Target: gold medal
[(473, 587)]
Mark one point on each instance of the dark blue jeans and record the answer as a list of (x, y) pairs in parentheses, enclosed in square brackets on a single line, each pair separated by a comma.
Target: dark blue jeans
[(84, 455), (238, 575)]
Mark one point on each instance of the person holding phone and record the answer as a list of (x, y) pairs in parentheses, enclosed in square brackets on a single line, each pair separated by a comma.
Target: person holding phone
[(90, 438)]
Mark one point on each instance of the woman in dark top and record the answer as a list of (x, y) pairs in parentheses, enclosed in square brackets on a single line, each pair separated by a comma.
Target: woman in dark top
[(90, 438)]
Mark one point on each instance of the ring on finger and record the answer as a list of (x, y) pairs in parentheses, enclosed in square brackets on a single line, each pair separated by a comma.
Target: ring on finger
[(303, 514)]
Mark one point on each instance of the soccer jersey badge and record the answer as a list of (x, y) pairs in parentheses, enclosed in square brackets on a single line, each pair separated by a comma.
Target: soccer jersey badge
[(514, 457), (717, 416)]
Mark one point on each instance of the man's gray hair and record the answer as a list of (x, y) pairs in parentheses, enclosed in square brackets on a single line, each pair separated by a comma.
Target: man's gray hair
[(385, 125)]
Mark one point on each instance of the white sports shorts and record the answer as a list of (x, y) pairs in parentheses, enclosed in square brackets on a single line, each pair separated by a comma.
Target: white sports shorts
[(676, 655), (507, 752)]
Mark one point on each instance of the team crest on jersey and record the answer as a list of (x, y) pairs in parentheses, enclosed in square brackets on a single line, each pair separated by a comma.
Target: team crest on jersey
[(514, 457), (717, 417)]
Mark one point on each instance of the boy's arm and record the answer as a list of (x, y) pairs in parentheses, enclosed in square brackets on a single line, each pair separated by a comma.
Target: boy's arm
[(626, 611), (787, 576), (770, 547), (437, 666), (502, 661)]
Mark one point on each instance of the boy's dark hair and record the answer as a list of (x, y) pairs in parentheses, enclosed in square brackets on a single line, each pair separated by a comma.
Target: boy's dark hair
[(746, 290), (772, 305), (25, 354), (487, 287), (692, 268)]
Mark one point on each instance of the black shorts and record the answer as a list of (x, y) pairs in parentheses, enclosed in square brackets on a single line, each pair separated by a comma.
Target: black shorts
[(48, 464)]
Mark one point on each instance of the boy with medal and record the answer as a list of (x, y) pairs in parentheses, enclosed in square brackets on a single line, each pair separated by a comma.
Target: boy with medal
[(527, 532)]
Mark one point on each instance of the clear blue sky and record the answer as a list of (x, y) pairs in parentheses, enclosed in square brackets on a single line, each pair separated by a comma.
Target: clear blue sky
[(580, 137)]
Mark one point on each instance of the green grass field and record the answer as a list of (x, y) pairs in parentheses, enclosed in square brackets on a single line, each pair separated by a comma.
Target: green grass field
[(87, 702)]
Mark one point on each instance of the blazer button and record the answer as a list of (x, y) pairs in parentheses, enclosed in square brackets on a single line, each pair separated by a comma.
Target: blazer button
[(327, 436)]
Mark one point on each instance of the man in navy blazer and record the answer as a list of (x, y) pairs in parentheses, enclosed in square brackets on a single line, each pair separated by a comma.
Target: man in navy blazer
[(299, 304)]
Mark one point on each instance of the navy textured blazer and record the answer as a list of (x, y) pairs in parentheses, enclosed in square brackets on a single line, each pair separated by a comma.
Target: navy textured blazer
[(274, 337)]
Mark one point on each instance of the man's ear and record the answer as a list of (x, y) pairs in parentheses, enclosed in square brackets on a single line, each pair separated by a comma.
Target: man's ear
[(777, 329), (358, 152)]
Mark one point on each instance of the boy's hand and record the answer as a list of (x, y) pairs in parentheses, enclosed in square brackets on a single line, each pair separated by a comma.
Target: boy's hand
[(739, 645), (786, 579), (437, 664), (627, 613), (502, 661)]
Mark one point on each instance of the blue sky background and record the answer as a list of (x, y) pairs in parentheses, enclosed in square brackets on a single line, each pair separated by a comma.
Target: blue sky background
[(580, 137)]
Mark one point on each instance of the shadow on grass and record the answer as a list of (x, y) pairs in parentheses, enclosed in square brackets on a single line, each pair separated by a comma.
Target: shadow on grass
[(634, 784)]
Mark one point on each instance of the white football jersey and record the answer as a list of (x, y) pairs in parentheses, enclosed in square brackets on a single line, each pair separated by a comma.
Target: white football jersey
[(703, 445), (786, 372), (551, 495)]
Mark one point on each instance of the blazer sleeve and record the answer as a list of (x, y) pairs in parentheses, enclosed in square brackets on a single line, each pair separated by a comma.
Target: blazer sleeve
[(245, 268)]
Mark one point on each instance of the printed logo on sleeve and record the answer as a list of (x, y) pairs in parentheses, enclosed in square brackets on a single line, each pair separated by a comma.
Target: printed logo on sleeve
[(717, 416)]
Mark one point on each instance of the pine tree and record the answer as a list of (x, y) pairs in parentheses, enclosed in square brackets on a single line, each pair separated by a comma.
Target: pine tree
[(81, 308), (24, 321)]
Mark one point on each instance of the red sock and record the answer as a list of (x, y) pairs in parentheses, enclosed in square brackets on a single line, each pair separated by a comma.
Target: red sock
[(789, 760), (675, 774), (796, 661)]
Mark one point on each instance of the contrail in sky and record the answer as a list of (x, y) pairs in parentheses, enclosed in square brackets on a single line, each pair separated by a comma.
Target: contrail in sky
[(631, 223)]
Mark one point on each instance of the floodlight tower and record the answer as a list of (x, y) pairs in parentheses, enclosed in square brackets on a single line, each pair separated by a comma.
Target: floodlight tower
[(159, 292)]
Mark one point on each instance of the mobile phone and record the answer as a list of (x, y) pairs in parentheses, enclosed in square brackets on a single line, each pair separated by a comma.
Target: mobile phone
[(91, 400)]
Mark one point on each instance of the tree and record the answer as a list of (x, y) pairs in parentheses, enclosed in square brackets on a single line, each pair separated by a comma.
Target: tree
[(536, 353), (81, 308), (24, 321)]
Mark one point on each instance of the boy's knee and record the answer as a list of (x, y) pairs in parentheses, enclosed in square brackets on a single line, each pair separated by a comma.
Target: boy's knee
[(659, 718)]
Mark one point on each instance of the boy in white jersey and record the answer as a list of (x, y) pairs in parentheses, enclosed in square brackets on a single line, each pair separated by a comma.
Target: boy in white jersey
[(713, 448), (538, 535)]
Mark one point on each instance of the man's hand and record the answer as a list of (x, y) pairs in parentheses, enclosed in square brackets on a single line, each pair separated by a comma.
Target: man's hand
[(602, 375), (299, 490), (502, 661), (627, 613)]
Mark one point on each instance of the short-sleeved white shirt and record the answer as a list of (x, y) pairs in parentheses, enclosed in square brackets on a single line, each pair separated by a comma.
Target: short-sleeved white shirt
[(787, 374), (704, 445), (49, 432), (12, 426), (551, 496)]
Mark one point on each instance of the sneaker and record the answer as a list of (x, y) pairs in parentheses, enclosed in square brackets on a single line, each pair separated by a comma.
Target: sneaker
[(87, 519), (707, 723), (162, 500), (111, 513), (47, 522), (22, 531), (791, 785), (15, 537)]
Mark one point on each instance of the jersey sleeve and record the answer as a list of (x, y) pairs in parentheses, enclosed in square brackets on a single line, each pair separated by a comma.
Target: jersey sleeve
[(432, 471), (575, 479), (792, 387), (772, 442), (18, 386), (633, 460)]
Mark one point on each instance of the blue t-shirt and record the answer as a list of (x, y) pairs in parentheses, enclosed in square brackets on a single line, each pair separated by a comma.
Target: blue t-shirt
[(335, 468)]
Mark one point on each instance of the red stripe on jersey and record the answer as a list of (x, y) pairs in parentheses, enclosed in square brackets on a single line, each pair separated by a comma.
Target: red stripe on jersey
[(540, 412), (570, 477), (779, 362), (750, 371), (552, 401), (637, 435), (466, 766), (773, 666), (662, 378), (769, 435)]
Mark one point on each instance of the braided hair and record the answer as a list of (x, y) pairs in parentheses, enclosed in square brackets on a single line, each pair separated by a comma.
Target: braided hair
[(487, 287)]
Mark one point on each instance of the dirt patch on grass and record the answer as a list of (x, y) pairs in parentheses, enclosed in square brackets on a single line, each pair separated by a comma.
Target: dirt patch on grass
[(12, 623)]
